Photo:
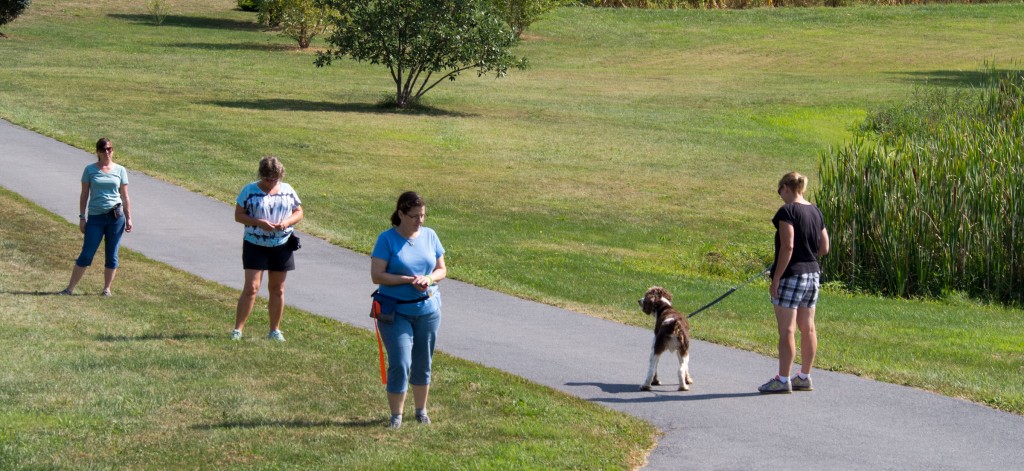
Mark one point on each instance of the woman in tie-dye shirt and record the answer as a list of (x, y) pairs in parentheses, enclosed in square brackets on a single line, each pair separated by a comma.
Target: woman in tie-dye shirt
[(269, 208)]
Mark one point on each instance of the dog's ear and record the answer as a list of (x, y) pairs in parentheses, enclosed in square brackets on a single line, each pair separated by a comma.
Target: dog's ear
[(660, 293)]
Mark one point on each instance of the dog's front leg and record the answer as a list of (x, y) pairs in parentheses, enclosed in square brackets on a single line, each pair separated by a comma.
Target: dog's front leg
[(652, 372)]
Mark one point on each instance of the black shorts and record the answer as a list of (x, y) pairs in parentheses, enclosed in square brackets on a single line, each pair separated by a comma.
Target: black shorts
[(258, 257)]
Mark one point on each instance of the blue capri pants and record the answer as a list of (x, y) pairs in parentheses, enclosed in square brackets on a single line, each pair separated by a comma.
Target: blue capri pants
[(98, 227), (410, 345)]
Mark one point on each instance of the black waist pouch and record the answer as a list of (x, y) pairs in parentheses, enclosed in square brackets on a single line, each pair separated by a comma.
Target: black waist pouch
[(383, 307)]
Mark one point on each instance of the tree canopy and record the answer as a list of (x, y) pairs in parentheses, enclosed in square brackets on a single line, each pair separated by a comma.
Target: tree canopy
[(10, 9), (423, 42)]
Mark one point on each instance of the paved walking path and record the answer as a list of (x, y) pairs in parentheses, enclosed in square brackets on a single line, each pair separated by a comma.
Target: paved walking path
[(722, 423)]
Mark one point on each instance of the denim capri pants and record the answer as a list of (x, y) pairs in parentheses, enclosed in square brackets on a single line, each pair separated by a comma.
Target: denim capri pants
[(410, 345), (98, 227)]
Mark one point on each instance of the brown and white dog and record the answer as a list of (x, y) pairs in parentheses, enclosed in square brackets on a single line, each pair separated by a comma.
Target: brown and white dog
[(671, 333)]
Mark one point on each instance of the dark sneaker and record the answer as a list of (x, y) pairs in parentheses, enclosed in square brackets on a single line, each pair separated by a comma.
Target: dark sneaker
[(801, 384), (236, 334), (66, 292), (423, 418), (775, 386)]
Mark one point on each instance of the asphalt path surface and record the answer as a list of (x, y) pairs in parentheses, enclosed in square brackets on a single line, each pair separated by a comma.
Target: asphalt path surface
[(721, 423)]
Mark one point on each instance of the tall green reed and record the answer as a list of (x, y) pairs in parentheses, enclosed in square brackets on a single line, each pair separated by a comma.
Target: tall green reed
[(929, 196)]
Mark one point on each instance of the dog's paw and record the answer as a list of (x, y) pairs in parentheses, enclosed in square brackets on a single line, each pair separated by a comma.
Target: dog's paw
[(645, 387), (684, 388), (656, 382), (689, 380)]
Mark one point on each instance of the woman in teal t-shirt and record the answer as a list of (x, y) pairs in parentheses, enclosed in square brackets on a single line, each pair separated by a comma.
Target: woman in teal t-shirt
[(407, 261), (104, 212)]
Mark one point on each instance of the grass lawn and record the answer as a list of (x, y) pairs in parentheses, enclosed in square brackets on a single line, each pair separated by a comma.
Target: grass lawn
[(641, 148), (150, 381)]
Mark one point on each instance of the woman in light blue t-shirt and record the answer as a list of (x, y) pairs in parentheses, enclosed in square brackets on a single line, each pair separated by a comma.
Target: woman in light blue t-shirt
[(104, 212), (407, 262)]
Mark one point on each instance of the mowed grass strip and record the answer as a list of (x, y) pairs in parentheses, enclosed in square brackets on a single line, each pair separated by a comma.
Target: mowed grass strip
[(149, 380), (641, 148)]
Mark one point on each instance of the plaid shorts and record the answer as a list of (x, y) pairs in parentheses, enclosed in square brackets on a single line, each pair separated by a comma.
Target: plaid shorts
[(798, 291)]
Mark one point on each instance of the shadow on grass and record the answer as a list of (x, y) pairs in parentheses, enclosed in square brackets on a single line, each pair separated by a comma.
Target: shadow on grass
[(280, 104), (663, 393), (236, 46), (242, 424), (147, 337), (38, 293), (190, 21), (954, 78)]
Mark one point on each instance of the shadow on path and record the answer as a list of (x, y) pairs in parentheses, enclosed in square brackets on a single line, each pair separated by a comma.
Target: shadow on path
[(654, 395)]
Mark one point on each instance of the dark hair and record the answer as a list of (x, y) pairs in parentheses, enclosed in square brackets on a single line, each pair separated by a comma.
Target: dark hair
[(406, 201), (102, 144)]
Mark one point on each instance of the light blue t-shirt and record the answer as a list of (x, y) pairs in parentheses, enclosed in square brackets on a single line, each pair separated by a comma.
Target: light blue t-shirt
[(410, 257), (104, 188), (274, 208)]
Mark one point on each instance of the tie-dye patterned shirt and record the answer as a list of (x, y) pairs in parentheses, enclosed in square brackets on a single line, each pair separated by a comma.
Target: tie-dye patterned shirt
[(274, 208)]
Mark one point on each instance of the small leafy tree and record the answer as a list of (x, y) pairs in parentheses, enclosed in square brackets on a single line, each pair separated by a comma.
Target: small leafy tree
[(158, 10), (303, 20), (520, 14), (423, 42), (11, 9)]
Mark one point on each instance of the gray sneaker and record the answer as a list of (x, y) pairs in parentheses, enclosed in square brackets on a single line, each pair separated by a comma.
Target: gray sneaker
[(66, 292), (106, 293), (236, 334), (396, 421), (801, 384), (775, 386), (423, 418), (276, 335)]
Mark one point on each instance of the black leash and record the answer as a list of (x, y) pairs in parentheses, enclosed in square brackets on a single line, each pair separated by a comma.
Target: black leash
[(727, 293)]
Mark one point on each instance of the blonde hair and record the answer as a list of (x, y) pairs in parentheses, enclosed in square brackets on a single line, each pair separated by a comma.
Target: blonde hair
[(271, 168), (794, 181)]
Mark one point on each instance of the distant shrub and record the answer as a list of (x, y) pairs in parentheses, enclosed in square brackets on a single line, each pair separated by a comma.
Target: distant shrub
[(11, 9), (269, 12), (520, 14), (929, 197), (249, 5), (158, 10), (741, 4)]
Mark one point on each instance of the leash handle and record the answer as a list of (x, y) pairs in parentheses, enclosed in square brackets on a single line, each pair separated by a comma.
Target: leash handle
[(380, 351)]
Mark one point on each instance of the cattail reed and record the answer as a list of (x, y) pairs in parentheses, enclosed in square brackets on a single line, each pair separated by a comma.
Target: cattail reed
[(928, 199)]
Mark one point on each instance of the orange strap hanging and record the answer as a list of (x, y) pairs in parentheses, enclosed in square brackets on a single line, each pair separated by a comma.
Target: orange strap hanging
[(380, 351)]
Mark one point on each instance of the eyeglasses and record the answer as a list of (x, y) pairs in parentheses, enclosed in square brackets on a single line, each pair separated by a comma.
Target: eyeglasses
[(106, 149), (416, 216)]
